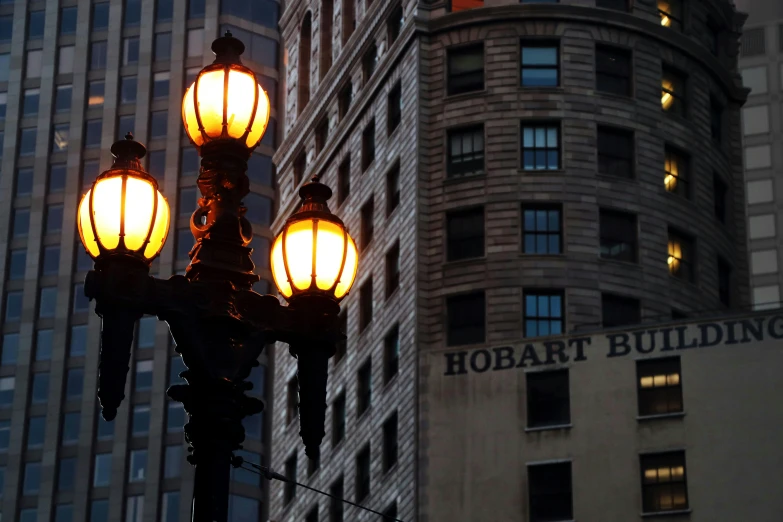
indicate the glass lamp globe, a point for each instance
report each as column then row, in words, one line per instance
column 123, row 212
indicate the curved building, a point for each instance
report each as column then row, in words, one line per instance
column 512, row 170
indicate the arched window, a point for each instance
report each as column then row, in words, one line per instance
column 327, row 13
column 349, row 19
column 304, row 62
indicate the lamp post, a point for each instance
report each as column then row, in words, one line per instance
column 219, row 324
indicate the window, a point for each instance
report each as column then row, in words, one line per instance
column 99, row 511
column 172, row 461
column 145, row 335
column 341, row 346
column 40, row 389
column 130, row 50
column 465, row 323
column 392, row 269
column 325, row 52
column 176, row 367
column 60, row 137
column 344, row 180
column 65, row 60
column 259, row 209
column 32, row 478
column 465, row 234
column 92, row 133
column 80, row 301
column 292, row 400
column 190, row 163
column 724, row 281
column 143, row 375
column 35, row 24
column 44, row 341
column 368, row 145
column 6, row 28
column 13, row 306
column 27, row 139
column 543, row 313
column 618, row 235
column 162, row 51
column 16, row 264
column 63, row 513
column 66, row 474
column 160, row 85
column 98, row 52
column 71, row 425
column 5, row 434
column 36, row 431
column 196, row 9
column 10, row 349
column 548, row 399
column 312, row 515
column 716, row 120
column 367, row 223
column 78, row 341
column 391, row 511
column 47, row 303
column 393, row 188
column 100, row 16
column 549, row 488
column 24, row 182
column 6, row 399
column 613, row 70
column 673, row 92
column 680, row 258
column 540, row 146
column 54, row 219
column 363, row 474
column 664, row 484
column 164, row 11
column 671, row 13
column 394, row 108
column 175, row 417
column 364, row 388
column 158, row 124
column 300, row 165
column 132, row 15
column 140, row 423
column 184, row 244
column 3, row 104
column 615, row 152
column 394, row 24
column 676, row 172
column 465, row 69
column 391, row 354
column 33, row 64
column 126, row 124
column 304, row 72
column 659, row 386
column 57, row 175
column 542, row 230
column 390, row 442
column 104, row 429
column 540, row 64
column 30, row 102
column 90, row 171
column 369, row 62
column 134, row 508
column 138, row 465
column 289, row 489
column 617, row 5
column 620, row 311
column 128, row 89
column 365, row 305
column 321, row 134
column 348, row 20
column 338, row 418
column 466, row 152
column 74, row 383
column 62, row 98
column 344, row 99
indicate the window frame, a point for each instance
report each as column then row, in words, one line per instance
column 682, row 176
column 662, row 456
column 648, row 397
column 450, row 88
column 546, row 207
column 536, row 43
column 676, row 21
column 474, row 132
column 678, row 91
column 546, row 125
column 543, row 292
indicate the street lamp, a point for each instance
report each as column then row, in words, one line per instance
column 219, row 324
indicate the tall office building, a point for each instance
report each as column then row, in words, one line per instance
column 510, row 170
column 761, row 65
column 75, row 77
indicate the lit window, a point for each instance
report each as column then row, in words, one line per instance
column 680, row 256
column 60, row 137
column 659, row 386
column 673, row 92
column 95, row 94
column 664, row 485
column 676, row 179
column 671, row 13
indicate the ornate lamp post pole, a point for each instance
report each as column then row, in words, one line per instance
column 219, row 324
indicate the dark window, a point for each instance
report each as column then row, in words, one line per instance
column 44, row 341
column 184, row 244
column 618, row 235
column 143, row 377
column 660, row 386
column 368, row 145
column 335, row 505
column 62, row 98
column 344, row 99
column 74, row 383
column 548, row 399
column 664, row 483
column 321, row 134
column 465, row 69
column 369, row 62
column 615, row 152
column 367, row 223
column 40, row 389
column 160, row 84
column 78, row 341
column 32, row 478
column 391, row 511
column 158, row 124
column 130, row 50
column 132, row 15
column 671, row 13
column 465, row 234
column 325, row 51
column 312, row 466
column 390, row 442
column 676, row 172
column 164, row 10
column 90, row 171
column 365, row 305
column 394, row 108
column 720, row 191
column 680, row 258
column 540, row 64
column 391, row 354
column 677, row 314
column 341, row 346
column 54, row 219
column 393, row 188
column 190, row 164
column 71, row 424
column 30, row 102
column 6, row 28
column 21, row 222
column 68, row 20
column 92, row 133
column 100, row 16
column 292, row 400
column 162, row 51
column 104, row 430
column 617, row 5
column 300, row 165
column 466, row 151
column 712, row 36
column 465, row 323
column 613, row 70
column 27, row 139
column 349, row 20
column 66, row 474
column 542, row 230
column 303, row 74
column 716, row 120
column 673, row 92
column 364, row 388
column 312, row 515
column 99, row 511
column 550, row 492
column 289, row 490
column 338, row 419
column 544, row 313
column 540, row 146
column 51, row 260
column 394, row 24
column 724, row 281
column 392, row 269
column 127, row 123
column 98, row 52
column 128, row 88
column 10, row 349
column 24, row 182
column 47, row 304
column 363, row 474
column 17, row 264
column 196, row 9
column 35, row 24
column 620, row 311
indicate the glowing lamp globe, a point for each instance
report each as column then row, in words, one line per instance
column 225, row 103
column 314, row 255
column 123, row 212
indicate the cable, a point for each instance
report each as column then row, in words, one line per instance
column 269, row 474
